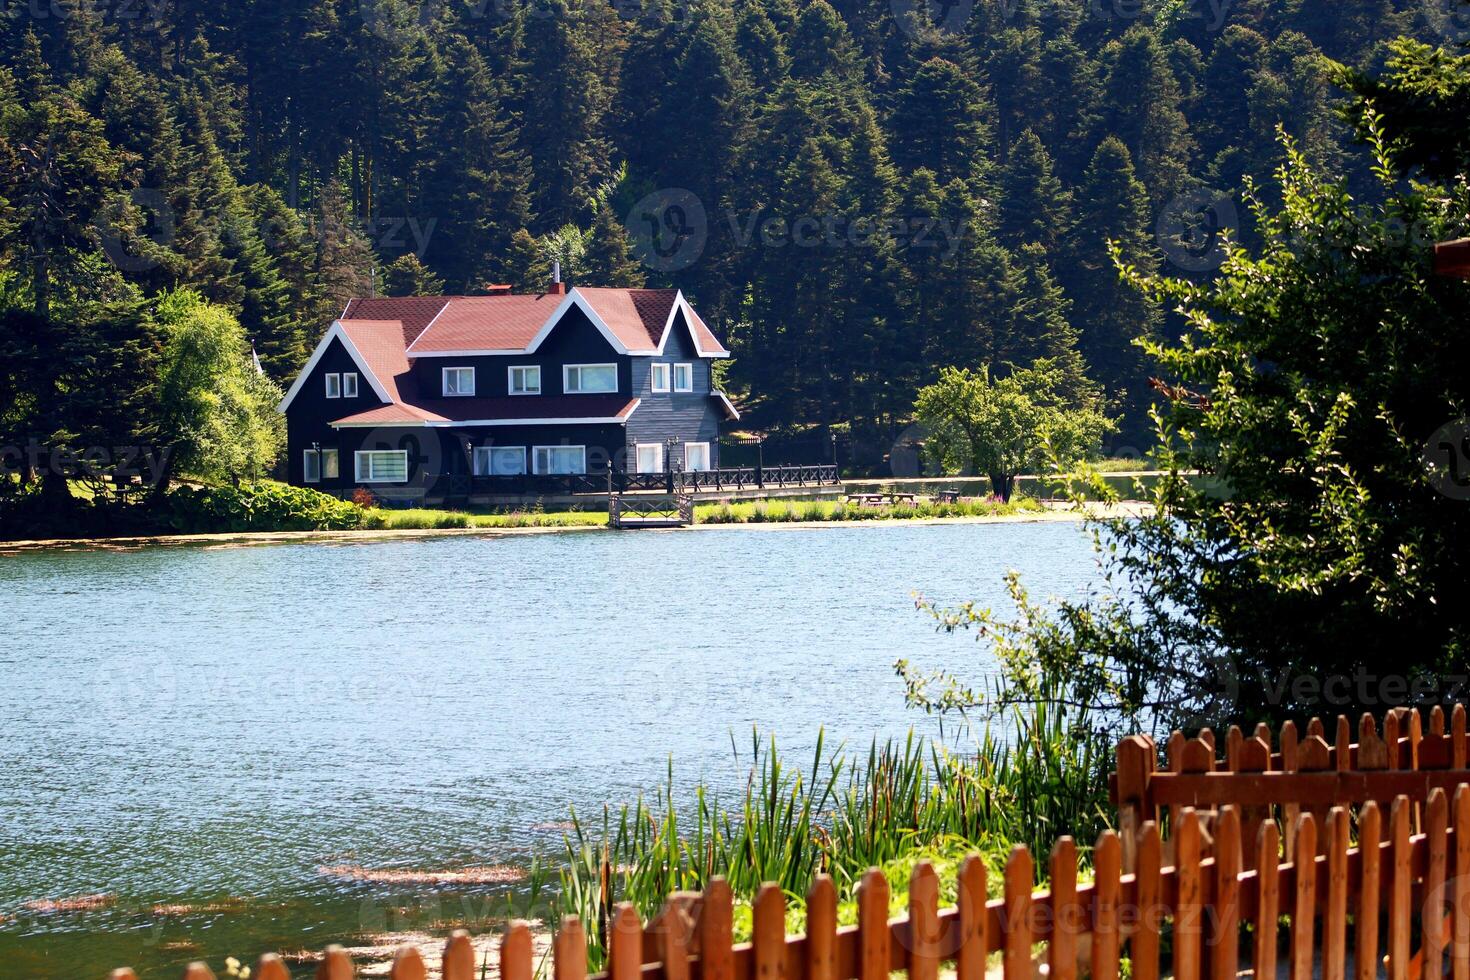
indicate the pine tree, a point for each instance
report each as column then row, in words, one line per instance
column 939, row 124
column 1140, row 106
column 1112, row 207
column 1034, row 206
column 407, row 276
column 344, row 258
column 608, row 260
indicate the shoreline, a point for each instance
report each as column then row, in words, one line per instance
column 239, row 539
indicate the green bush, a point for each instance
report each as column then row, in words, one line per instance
column 260, row 507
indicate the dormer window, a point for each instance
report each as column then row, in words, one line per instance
column 659, row 380
column 683, row 377
column 459, row 382
column 525, row 379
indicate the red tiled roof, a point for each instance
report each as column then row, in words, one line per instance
column 635, row 316
column 414, row 312
column 380, row 342
column 507, row 322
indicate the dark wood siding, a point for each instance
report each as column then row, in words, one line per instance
column 311, row 412
column 687, row 416
column 574, row 341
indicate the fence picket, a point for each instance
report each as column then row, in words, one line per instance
column 1225, row 941
column 1365, row 923
column 1436, row 827
column 1304, row 909
column 1107, row 866
column 1334, row 926
column 873, row 936
column 1460, row 895
column 1290, row 762
column 1342, row 746
column 1066, row 915
column 1016, row 960
column 1457, row 737
column 270, row 967
column 1187, row 915
column 122, row 973
column 1143, row 948
column 459, row 957
column 768, row 932
column 923, row 923
column 200, row 971
column 569, row 955
column 1372, row 752
column 716, row 958
column 1268, row 855
column 974, row 939
column 821, row 930
column 335, row 965
column 516, row 958
column 1401, row 895
column 625, row 944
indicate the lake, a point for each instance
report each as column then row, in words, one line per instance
column 210, row 727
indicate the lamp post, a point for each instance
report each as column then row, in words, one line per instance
column 670, row 444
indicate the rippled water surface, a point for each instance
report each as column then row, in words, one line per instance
column 212, row 726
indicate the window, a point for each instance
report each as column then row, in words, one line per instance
column 459, row 382
column 660, row 377
column 500, row 460
column 525, row 380
column 559, row 459
column 331, row 468
column 683, row 377
column 349, row 385
column 589, row 379
column 696, row 456
column 311, row 466
column 334, row 386
column 650, row 457
column 382, row 466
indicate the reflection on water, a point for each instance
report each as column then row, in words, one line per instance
column 209, row 728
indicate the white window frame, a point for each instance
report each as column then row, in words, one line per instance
column 334, row 385
column 510, row 379
column 490, row 452
column 309, row 456
column 444, row 382
column 688, row 369
column 708, row 459
column 566, row 379
column 660, row 368
column 638, row 448
column 535, row 460
column 357, row 468
column 333, row 472
column 349, row 384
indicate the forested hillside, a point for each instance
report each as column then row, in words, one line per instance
column 855, row 193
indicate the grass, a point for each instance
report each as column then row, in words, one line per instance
column 749, row 512
column 784, row 511
column 423, row 518
column 898, row 803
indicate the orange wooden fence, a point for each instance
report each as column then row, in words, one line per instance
column 1370, row 895
column 1277, row 776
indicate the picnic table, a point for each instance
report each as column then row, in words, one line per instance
column 946, row 496
column 878, row 499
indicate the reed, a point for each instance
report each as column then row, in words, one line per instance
column 1038, row 776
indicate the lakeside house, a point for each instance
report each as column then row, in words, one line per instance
column 506, row 394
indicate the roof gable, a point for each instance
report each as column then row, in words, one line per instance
column 379, row 337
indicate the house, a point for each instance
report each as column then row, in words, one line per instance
column 506, row 394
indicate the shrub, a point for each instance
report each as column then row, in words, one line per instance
column 259, row 507
column 364, row 498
